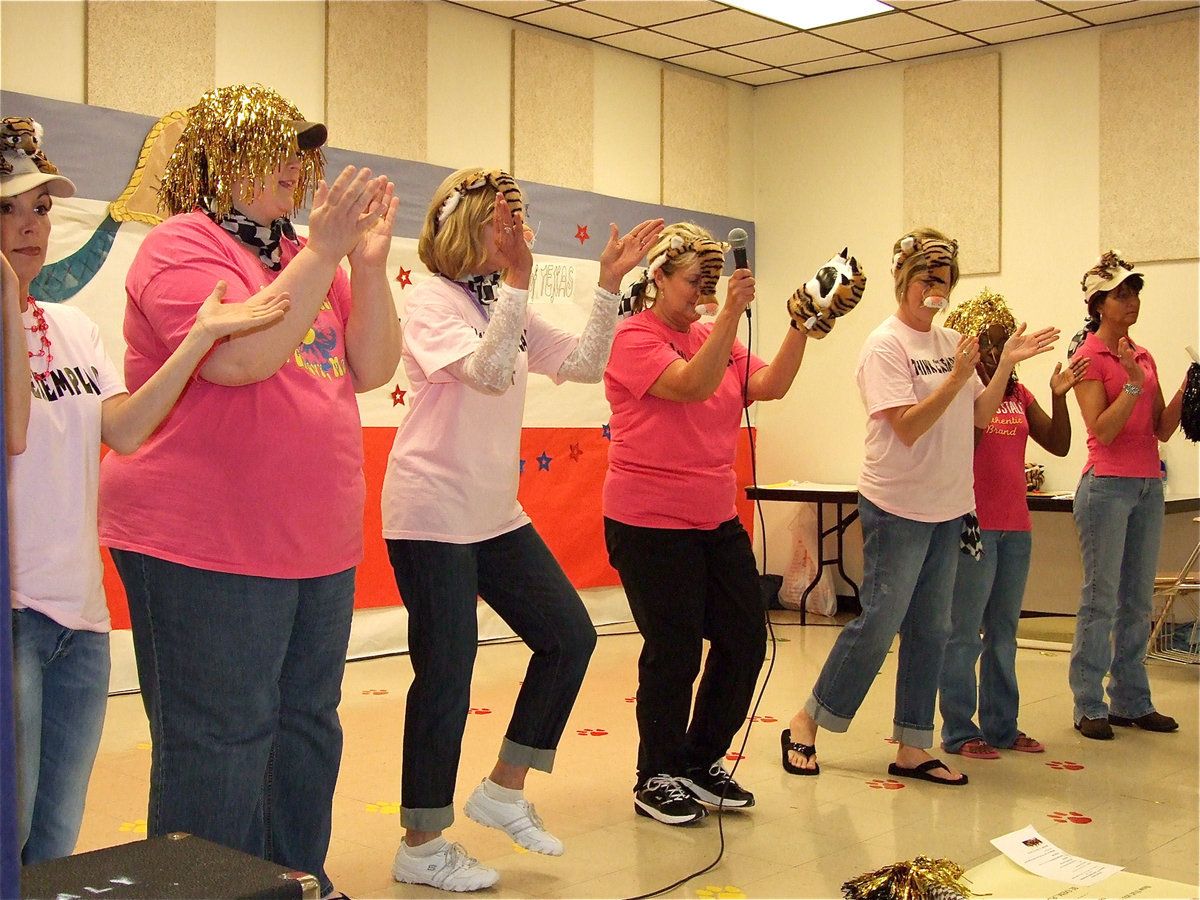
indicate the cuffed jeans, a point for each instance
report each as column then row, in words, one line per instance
column 60, row 695
column 1120, row 523
column 241, row 678
column 685, row 586
column 987, row 594
column 518, row 577
column 908, row 581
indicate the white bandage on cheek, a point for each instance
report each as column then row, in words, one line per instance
column 707, row 309
column 935, row 302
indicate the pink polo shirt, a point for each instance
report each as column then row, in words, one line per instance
column 1134, row 451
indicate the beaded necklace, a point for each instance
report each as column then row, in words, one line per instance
column 40, row 328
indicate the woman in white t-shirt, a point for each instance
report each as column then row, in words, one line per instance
column 454, row 529
column 77, row 399
column 916, row 497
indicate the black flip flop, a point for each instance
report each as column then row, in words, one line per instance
column 922, row 772
column 808, row 751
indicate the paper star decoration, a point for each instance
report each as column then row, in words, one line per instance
column 576, row 452
column 544, row 462
column 405, row 277
column 398, row 396
column 522, row 472
column 606, row 431
column 581, row 233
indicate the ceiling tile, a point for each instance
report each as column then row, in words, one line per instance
column 649, row 12
column 882, row 31
column 765, row 76
column 1034, row 28
column 912, row 4
column 837, row 64
column 649, row 43
column 732, row 26
column 1074, row 5
column 570, row 20
column 508, row 8
column 716, row 62
column 1135, row 10
column 789, row 49
column 974, row 15
column 928, row 48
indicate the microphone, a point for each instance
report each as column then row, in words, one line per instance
column 737, row 242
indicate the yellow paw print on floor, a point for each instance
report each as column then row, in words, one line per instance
column 391, row 808
column 136, row 827
column 144, row 745
column 518, row 848
column 713, row 892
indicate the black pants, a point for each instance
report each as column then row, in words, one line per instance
column 685, row 586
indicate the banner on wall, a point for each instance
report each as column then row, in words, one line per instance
column 564, row 443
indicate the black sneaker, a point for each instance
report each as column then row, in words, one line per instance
column 665, row 799
column 713, row 784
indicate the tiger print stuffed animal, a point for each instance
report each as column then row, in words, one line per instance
column 833, row 291
column 499, row 181
column 23, row 135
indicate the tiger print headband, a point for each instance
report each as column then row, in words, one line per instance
column 709, row 253
column 937, row 253
column 500, row 181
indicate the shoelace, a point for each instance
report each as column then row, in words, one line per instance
column 670, row 787
column 457, row 857
column 533, row 816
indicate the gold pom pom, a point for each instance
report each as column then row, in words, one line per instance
column 235, row 136
column 981, row 312
column 919, row 879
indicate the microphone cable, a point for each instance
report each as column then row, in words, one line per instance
column 770, row 633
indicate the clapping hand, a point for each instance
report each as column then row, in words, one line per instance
column 344, row 212
column 1062, row 380
column 621, row 254
column 217, row 320
column 1021, row 346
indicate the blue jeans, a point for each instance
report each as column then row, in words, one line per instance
column 60, row 694
column 1120, row 523
column 241, row 678
column 518, row 577
column 686, row 585
column 987, row 594
column 908, row 582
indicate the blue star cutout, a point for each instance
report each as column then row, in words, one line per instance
column 544, row 462
column 607, row 432
column 522, row 472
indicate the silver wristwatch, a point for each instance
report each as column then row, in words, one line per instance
column 1133, row 390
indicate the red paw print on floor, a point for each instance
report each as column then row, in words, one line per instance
column 885, row 784
column 733, row 757
column 375, row 692
column 631, row 699
column 890, row 741
column 762, row 719
column 1065, row 764
column 1075, row 818
column 477, row 711
column 592, row 732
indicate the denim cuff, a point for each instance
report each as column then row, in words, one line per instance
column 823, row 717
column 913, row 737
column 519, row 755
column 427, row 819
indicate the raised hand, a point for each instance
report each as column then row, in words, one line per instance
column 508, row 233
column 1021, row 346
column 620, row 255
column 740, row 292
column 216, row 320
column 1062, row 380
column 1125, row 354
column 966, row 357
column 373, row 247
column 344, row 212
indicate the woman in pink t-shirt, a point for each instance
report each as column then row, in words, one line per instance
column 1118, row 507
column 988, row 591
column 922, row 396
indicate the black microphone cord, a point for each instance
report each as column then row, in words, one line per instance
column 770, row 632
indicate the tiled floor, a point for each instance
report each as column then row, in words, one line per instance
column 1131, row 801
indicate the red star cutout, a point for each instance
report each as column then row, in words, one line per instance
column 405, row 277
column 398, row 396
column 576, row 452
column 581, row 233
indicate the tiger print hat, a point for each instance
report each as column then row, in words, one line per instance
column 235, row 134
column 679, row 245
column 450, row 242
column 919, row 251
column 23, row 165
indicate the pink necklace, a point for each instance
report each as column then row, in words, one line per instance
column 39, row 327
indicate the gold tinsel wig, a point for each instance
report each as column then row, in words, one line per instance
column 982, row 311
column 237, row 134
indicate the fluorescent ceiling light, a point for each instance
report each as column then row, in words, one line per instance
column 812, row 13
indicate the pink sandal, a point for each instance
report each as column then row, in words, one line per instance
column 978, row 748
column 1026, row 744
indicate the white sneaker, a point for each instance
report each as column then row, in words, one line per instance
column 450, row 869
column 519, row 820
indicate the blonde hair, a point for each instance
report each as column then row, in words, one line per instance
column 451, row 241
column 919, row 251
